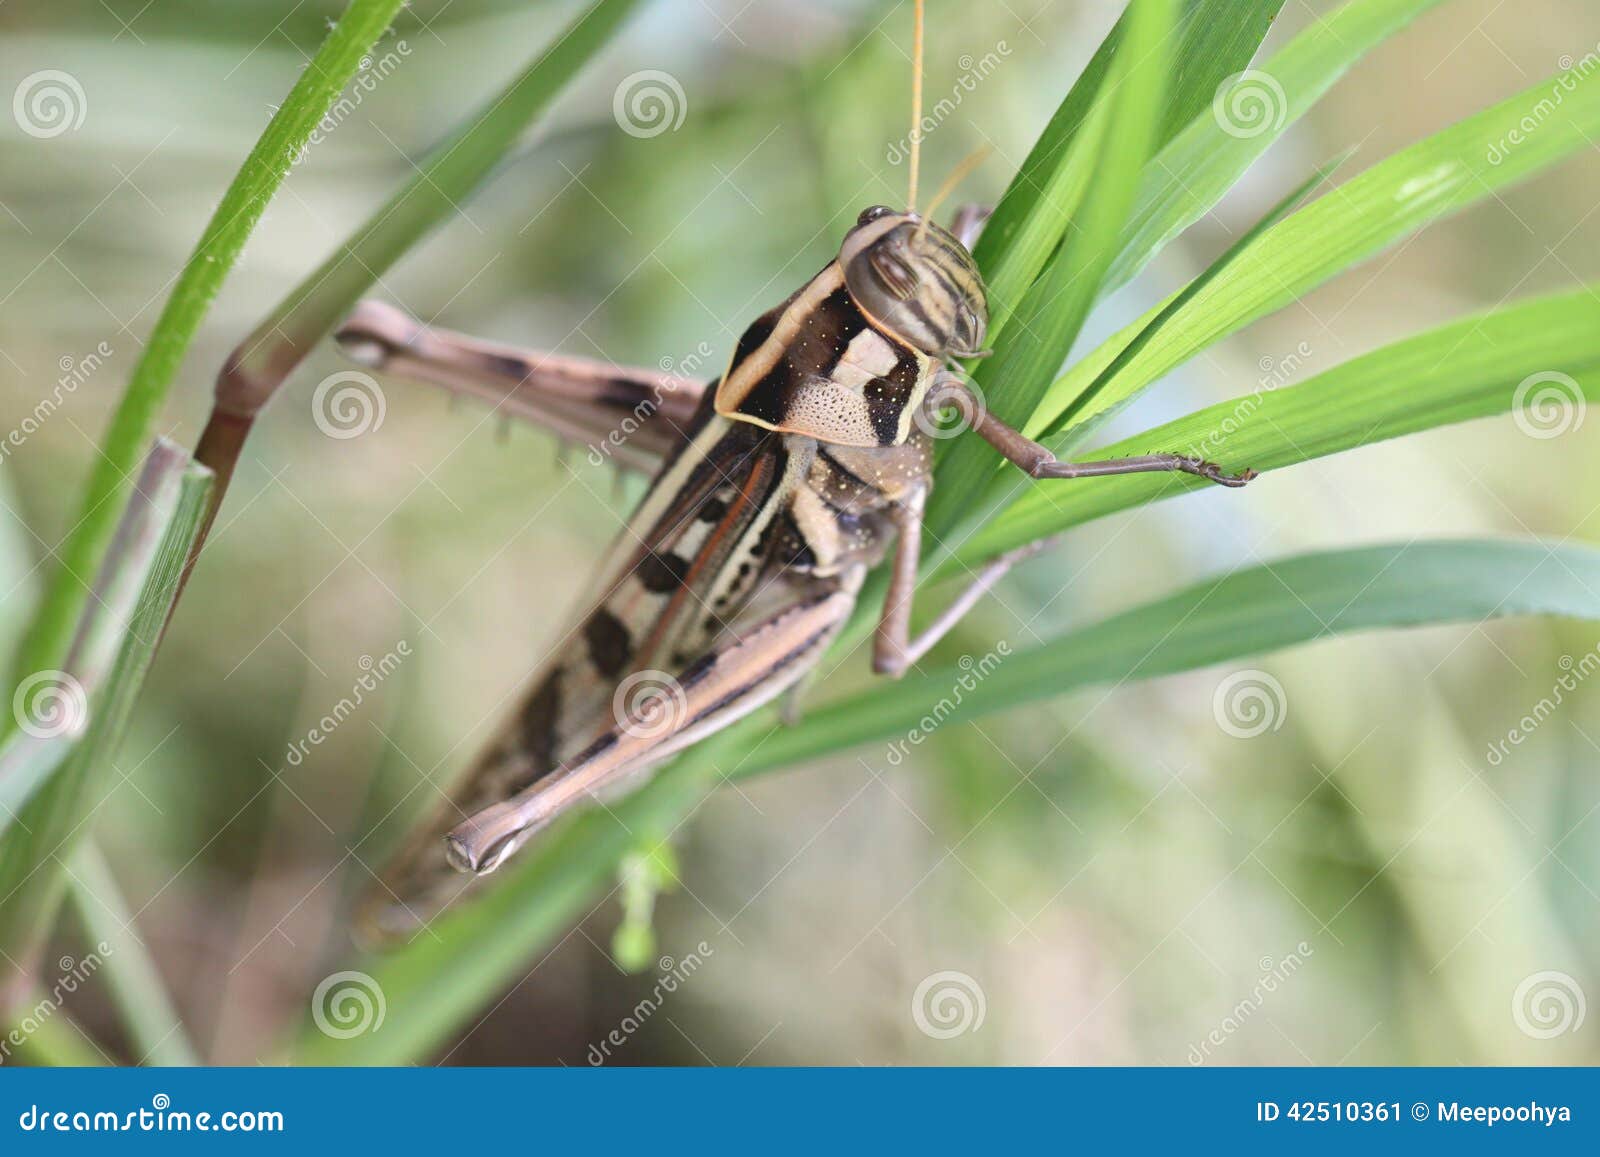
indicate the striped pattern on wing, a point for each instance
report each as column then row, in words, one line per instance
column 689, row 560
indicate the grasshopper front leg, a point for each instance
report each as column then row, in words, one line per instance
column 894, row 648
column 1039, row 462
column 582, row 399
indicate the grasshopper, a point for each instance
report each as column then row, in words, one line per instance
column 777, row 487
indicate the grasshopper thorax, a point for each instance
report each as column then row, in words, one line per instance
column 915, row 280
column 849, row 358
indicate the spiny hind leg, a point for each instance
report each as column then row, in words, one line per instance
column 582, row 399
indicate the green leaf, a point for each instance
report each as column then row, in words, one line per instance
column 1191, row 175
column 1215, row 39
column 1108, row 157
column 437, row 981
column 1430, row 180
column 141, row 997
column 1188, row 293
column 93, row 695
column 128, row 437
column 26, row 763
column 1249, row 612
column 1469, row 369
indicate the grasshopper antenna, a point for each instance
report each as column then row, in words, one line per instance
column 916, row 108
column 958, row 174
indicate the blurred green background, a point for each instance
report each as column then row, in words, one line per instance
column 1111, row 876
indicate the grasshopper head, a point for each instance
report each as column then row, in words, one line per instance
column 917, row 281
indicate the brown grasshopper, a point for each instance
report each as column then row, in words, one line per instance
column 776, row 489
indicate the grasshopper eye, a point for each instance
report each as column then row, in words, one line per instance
column 896, row 275
column 872, row 213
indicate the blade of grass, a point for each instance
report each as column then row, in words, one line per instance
column 128, row 437
column 435, row 984
column 1248, row 612
column 265, row 359
column 115, row 649
column 449, row 174
column 135, row 983
column 1214, row 40
column 1189, row 292
column 1193, row 172
column 49, row 1039
column 1471, row 368
column 1113, row 151
column 1432, row 179
column 26, row 762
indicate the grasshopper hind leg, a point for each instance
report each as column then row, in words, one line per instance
column 725, row 684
